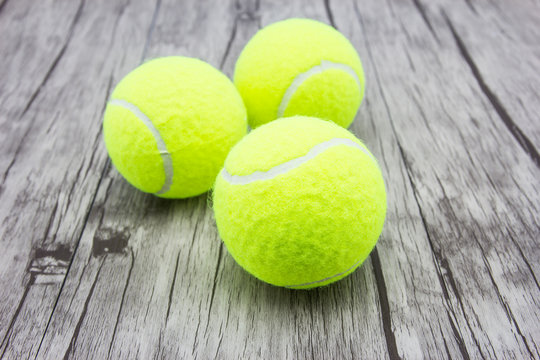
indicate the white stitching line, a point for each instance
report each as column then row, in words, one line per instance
column 300, row 78
column 162, row 148
column 291, row 164
column 328, row 278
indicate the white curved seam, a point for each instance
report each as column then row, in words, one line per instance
column 291, row 164
column 327, row 278
column 300, row 78
column 162, row 148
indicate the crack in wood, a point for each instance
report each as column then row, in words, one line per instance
column 385, row 306
column 229, row 43
column 250, row 14
column 71, row 189
column 391, row 344
column 172, row 285
column 420, row 7
column 214, row 287
column 507, row 120
column 7, row 336
column 459, row 338
column 329, row 14
column 73, row 340
column 505, row 306
column 50, row 221
column 124, row 291
column 56, row 59
column 523, row 257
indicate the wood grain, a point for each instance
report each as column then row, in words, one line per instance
column 91, row 268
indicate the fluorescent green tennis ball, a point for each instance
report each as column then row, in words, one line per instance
column 300, row 67
column 170, row 124
column 300, row 202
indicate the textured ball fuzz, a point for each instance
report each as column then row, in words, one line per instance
column 170, row 124
column 300, row 67
column 300, row 202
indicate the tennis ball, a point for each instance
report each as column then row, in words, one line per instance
column 169, row 126
column 300, row 67
column 300, row 202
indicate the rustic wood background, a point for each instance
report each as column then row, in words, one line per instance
column 92, row 268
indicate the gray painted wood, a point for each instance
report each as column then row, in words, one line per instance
column 92, row 268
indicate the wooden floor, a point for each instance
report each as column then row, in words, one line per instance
column 91, row 268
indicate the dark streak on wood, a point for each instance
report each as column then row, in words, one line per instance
column 423, row 14
column 385, row 307
column 329, row 13
column 151, row 29
column 159, row 349
column 470, row 5
column 56, row 59
column 445, row 344
column 83, row 314
column 229, row 43
column 51, row 218
column 149, row 302
column 172, row 286
column 524, row 258
column 2, row 5
column 5, row 340
column 98, row 137
column 459, row 339
column 220, row 255
column 72, row 188
column 442, row 262
column 505, row 306
column 516, row 132
column 132, row 263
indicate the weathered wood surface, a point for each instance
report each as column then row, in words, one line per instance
column 91, row 268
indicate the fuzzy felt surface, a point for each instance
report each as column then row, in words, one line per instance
column 310, row 226
column 197, row 112
column 278, row 53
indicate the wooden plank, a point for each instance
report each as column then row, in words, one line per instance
column 474, row 184
column 178, row 281
column 34, row 39
column 52, row 185
column 106, row 271
column 503, row 44
column 500, row 45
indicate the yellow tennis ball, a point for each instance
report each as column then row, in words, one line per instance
column 169, row 126
column 300, row 202
column 300, row 67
